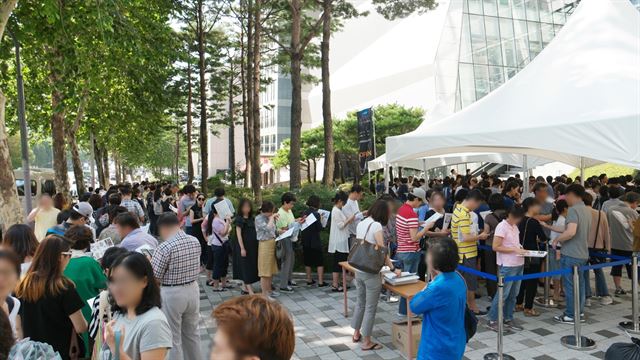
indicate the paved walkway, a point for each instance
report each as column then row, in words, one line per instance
column 322, row 332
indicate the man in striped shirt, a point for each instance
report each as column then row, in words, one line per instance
column 408, row 237
column 466, row 238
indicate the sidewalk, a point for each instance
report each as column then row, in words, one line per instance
column 322, row 331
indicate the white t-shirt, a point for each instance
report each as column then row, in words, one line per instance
column 13, row 314
column 560, row 223
column 369, row 236
column 351, row 208
column 339, row 234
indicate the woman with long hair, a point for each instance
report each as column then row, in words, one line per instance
column 531, row 235
column 245, row 247
column 139, row 329
column 196, row 215
column 218, row 230
column 50, row 310
column 21, row 239
column 9, row 277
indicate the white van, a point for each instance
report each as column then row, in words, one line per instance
column 42, row 180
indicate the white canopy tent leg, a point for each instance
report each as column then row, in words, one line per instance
column 581, row 171
column 424, row 169
column 525, row 180
column 386, row 178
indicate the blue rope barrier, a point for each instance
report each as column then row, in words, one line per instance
column 477, row 273
column 608, row 256
column 603, row 265
column 537, row 275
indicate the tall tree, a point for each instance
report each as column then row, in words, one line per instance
column 189, row 124
column 256, row 176
column 10, row 208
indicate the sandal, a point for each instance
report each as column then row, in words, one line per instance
column 531, row 312
column 219, row 290
column 322, row 284
column 312, row 282
column 337, row 289
column 519, row 308
column 209, row 282
column 356, row 339
column 243, row 292
column 373, row 347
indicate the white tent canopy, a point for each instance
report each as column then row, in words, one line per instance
column 453, row 159
column 577, row 102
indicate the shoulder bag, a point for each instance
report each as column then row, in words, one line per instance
column 367, row 257
column 470, row 319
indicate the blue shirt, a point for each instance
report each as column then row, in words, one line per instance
column 442, row 306
column 137, row 238
column 422, row 213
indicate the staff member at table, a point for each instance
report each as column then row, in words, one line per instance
column 368, row 285
column 442, row 304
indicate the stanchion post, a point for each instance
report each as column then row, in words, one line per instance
column 499, row 355
column 577, row 341
column 545, row 301
column 632, row 326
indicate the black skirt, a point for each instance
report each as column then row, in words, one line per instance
column 312, row 256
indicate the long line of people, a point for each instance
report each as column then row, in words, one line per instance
column 154, row 297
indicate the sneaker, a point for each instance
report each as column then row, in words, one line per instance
column 480, row 313
column 620, row 292
column 492, row 325
column 393, row 299
column 606, row 300
column 274, row 294
column 510, row 324
column 587, row 302
column 563, row 319
column 287, row 289
column 292, row 283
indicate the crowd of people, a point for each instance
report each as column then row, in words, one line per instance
column 140, row 298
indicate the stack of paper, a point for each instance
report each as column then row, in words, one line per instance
column 404, row 278
column 99, row 247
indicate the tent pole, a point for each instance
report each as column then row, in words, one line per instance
column 525, row 180
column 581, row 171
column 424, row 168
column 386, row 178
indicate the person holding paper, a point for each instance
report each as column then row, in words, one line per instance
column 409, row 251
column 506, row 244
column 339, row 237
column 311, row 243
column 531, row 235
column 266, row 235
column 218, row 232
column 285, row 219
column 434, row 216
column 353, row 208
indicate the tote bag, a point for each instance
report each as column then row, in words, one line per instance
column 367, row 257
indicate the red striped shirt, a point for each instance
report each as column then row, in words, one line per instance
column 406, row 220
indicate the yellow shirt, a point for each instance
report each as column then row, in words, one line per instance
column 44, row 220
column 461, row 224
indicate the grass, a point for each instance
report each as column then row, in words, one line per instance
column 606, row 168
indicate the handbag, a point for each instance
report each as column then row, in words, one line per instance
column 470, row 319
column 367, row 257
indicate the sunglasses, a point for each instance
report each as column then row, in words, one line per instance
column 201, row 199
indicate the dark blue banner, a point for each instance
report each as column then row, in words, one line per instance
column 366, row 135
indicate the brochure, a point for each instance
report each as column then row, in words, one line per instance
column 310, row 219
column 324, row 216
column 223, row 210
column 286, row 234
column 99, row 247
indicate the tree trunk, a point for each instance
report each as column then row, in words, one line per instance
column 296, row 94
column 315, row 169
column 204, row 151
column 10, row 208
column 248, row 104
column 105, row 166
column 57, row 124
column 232, row 132
column 256, row 176
column 327, row 121
column 308, row 171
column 177, row 162
column 72, row 133
column 97, row 153
column 189, row 150
column 116, row 162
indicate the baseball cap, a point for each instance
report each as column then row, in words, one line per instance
column 419, row 193
column 83, row 208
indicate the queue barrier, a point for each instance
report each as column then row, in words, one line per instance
column 575, row 341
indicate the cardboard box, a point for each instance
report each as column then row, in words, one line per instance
column 400, row 335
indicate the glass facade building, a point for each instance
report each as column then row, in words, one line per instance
column 486, row 42
column 500, row 37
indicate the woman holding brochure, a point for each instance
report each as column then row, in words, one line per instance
column 506, row 245
column 266, row 235
column 311, row 243
column 531, row 234
column 339, row 237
